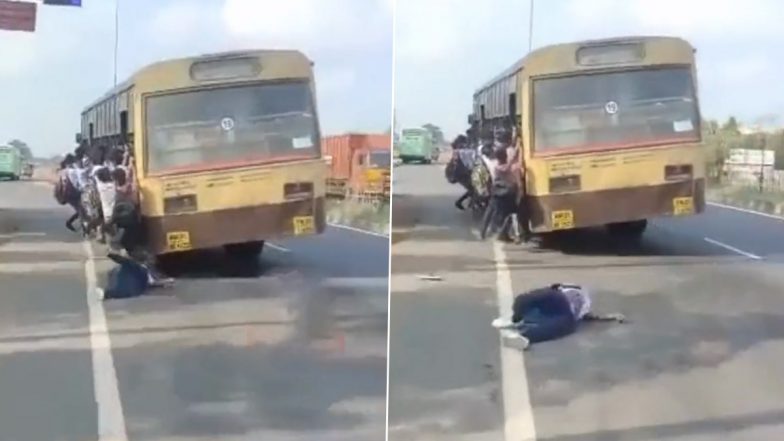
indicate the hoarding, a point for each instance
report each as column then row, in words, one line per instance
column 17, row 16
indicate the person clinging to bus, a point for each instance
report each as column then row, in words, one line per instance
column 68, row 185
column 459, row 167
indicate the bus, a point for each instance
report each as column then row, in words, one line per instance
column 225, row 147
column 416, row 145
column 11, row 163
column 609, row 132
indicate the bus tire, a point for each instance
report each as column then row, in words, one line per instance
column 248, row 250
column 630, row 230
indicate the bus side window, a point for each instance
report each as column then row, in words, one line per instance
column 512, row 109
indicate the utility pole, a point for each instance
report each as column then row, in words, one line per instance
column 116, row 36
column 531, row 26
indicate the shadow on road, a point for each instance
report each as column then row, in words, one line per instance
column 709, row 426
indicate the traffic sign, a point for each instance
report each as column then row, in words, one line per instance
column 63, row 2
column 17, row 16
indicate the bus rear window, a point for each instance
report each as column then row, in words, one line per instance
column 615, row 110
column 231, row 125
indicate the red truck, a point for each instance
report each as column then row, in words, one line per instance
column 359, row 164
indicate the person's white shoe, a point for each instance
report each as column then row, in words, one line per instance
column 502, row 323
column 515, row 340
column 101, row 293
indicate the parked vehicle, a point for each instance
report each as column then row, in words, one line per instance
column 359, row 164
column 10, row 163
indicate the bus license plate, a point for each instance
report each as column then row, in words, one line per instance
column 683, row 206
column 562, row 219
column 178, row 240
column 303, row 225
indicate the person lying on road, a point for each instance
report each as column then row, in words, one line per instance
column 549, row 313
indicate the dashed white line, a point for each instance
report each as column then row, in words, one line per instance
column 278, row 247
column 746, row 210
column 731, row 248
column 359, row 230
column 111, row 420
column 518, row 413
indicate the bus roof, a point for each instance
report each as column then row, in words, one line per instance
column 566, row 51
column 291, row 63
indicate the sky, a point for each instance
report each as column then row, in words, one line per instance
column 445, row 49
column 48, row 77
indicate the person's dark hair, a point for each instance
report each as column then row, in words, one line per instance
column 117, row 155
column 104, row 175
column 460, row 142
column 488, row 151
column 486, row 135
column 503, row 135
column 501, row 155
column 68, row 160
column 119, row 176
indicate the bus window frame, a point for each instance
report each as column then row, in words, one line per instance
column 172, row 171
column 665, row 143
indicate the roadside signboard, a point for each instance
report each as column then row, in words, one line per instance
column 17, row 16
column 751, row 157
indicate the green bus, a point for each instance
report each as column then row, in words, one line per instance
column 11, row 163
column 416, row 145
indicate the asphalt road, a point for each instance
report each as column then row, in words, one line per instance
column 700, row 359
column 291, row 349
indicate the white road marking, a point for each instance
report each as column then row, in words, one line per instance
column 733, row 249
column 746, row 210
column 111, row 420
column 277, row 247
column 41, row 247
column 22, row 234
column 39, row 267
column 359, row 230
column 518, row 413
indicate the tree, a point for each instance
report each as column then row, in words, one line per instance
column 22, row 147
column 731, row 126
column 435, row 132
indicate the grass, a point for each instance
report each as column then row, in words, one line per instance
column 748, row 193
column 359, row 215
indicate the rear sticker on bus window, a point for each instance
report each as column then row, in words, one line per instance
column 227, row 124
column 682, row 126
column 302, row 143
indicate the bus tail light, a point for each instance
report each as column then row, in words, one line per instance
column 180, row 204
column 298, row 191
column 681, row 172
column 565, row 184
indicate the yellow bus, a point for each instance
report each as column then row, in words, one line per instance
column 225, row 146
column 609, row 130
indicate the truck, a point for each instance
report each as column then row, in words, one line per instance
column 417, row 145
column 359, row 165
column 11, row 163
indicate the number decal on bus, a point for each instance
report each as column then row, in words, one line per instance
column 562, row 219
column 178, row 240
column 683, row 206
column 303, row 225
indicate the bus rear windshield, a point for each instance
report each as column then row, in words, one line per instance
column 615, row 110
column 235, row 125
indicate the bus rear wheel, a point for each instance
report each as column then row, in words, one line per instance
column 248, row 250
column 630, row 230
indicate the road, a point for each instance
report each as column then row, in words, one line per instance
column 699, row 360
column 291, row 349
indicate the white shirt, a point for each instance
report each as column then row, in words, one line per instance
column 579, row 299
